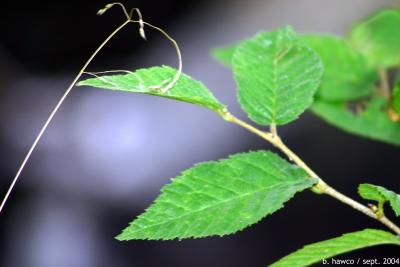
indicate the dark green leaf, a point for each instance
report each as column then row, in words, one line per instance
column 317, row 252
column 277, row 76
column 220, row 198
column 185, row 89
column 372, row 122
column 346, row 74
column 378, row 38
column 380, row 194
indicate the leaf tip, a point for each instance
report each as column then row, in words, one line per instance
column 81, row 83
column 123, row 236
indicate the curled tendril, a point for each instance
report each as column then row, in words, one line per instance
column 129, row 16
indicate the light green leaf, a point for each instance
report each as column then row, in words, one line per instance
column 324, row 250
column 185, row 89
column 224, row 54
column 220, row 198
column 370, row 192
column 380, row 194
column 378, row 38
column 277, row 76
column 372, row 122
column 346, row 73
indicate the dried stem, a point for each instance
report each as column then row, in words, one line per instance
column 56, row 108
column 320, row 186
column 384, row 83
column 142, row 23
column 82, row 71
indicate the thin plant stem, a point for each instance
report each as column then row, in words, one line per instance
column 321, row 186
column 273, row 129
column 54, row 111
column 178, row 52
column 82, row 71
column 142, row 34
column 356, row 205
column 384, row 83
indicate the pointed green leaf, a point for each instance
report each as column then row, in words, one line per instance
column 224, row 54
column 220, row 198
column 380, row 194
column 323, row 250
column 277, row 76
column 372, row 122
column 378, row 38
column 185, row 89
column 346, row 73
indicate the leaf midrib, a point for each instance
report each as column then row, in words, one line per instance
column 290, row 184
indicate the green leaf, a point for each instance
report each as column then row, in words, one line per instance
column 319, row 251
column 378, row 38
column 185, row 89
column 372, row 122
column 346, row 73
column 380, row 194
column 277, row 76
column 224, row 54
column 371, row 192
column 220, row 198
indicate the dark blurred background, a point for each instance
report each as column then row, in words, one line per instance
column 107, row 154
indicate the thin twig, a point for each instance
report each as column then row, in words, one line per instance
column 384, row 83
column 273, row 129
column 320, row 186
column 67, row 92
column 178, row 53
column 356, row 205
column 50, row 118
